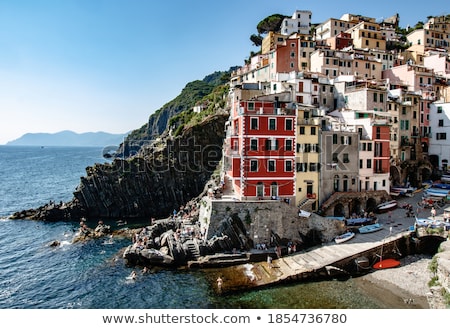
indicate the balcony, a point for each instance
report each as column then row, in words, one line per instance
column 310, row 121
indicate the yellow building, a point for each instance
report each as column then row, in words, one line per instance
column 367, row 35
column 307, row 158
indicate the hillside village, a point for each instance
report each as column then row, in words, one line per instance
column 337, row 118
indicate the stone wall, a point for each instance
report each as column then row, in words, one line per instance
column 264, row 220
column 443, row 270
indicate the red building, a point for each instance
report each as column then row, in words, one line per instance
column 260, row 150
column 381, row 157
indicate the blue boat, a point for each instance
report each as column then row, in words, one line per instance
column 442, row 186
column 436, row 192
column 370, row 228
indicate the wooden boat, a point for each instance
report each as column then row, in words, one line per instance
column 344, row 237
column 360, row 221
column 386, row 263
column 386, row 206
column 370, row 228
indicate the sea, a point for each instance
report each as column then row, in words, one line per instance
column 93, row 274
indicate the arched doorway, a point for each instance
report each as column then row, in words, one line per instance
column 345, row 183
column 434, row 159
column 339, row 210
column 371, row 204
column 356, row 207
column 336, row 183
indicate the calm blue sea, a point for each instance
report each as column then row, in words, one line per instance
column 93, row 275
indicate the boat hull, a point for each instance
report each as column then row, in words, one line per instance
column 370, row 228
column 344, row 237
column 386, row 263
column 387, row 206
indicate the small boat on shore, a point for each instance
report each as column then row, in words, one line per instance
column 360, row 221
column 386, row 263
column 445, row 178
column 387, row 206
column 443, row 186
column 344, row 237
column 439, row 192
column 370, row 228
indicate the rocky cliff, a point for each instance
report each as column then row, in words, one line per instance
column 162, row 176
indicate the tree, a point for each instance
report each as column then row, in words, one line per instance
column 271, row 23
column 256, row 39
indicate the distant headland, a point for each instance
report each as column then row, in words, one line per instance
column 68, row 138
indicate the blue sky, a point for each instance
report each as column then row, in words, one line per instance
column 106, row 65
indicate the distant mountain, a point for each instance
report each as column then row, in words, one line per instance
column 69, row 138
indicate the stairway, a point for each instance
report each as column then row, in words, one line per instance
column 192, row 248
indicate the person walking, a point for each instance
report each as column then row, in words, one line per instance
column 433, row 212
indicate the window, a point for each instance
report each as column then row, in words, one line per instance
column 369, row 163
column 346, row 140
column 254, row 144
column 288, row 145
column 335, row 138
column 251, row 106
column 441, row 136
column 301, row 167
column 254, row 123
column 313, row 167
column 313, row 130
column 271, row 165
column 335, row 157
column 302, row 131
column 369, row 147
column 346, row 159
column 360, row 163
column 272, row 124
column 288, row 165
column 381, row 98
column 253, row 165
column 271, row 144
column 375, row 97
column 441, row 123
column 439, row 109
column 288, row 124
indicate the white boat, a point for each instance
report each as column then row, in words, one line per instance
column 445, row 178
column 386, row 206
column 344, row 237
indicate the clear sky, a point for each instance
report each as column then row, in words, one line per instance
column 106, row 65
